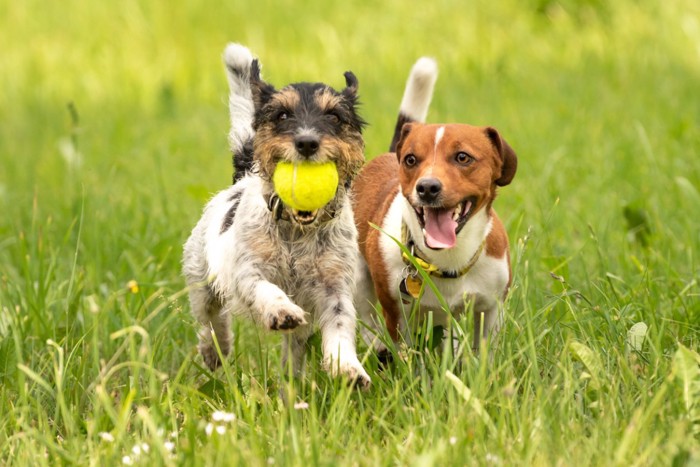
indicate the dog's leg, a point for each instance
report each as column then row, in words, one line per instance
column 271, row 307
column 487, row 322
column 333, row 287
column 215, row 321
column 337, row 323
column 294, row 349
column 365, row 298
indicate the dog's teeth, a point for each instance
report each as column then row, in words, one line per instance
column 305, row 217
column 467, row 207
column 457, row 212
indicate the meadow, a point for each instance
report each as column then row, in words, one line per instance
column 113, row 124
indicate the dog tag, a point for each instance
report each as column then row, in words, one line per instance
column 411, row 286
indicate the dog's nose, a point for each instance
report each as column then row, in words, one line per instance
column 428, row 189
column 306, row 145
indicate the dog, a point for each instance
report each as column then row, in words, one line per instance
column 434, row 191
column 251, row 254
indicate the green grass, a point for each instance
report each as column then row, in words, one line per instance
column 600, row 102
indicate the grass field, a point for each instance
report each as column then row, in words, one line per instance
column 113, row 126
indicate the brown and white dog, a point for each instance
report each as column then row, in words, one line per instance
column 434, row 191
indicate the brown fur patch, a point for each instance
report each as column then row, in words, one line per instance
column 378, row 184
column 326, row 100
column 349, row 153
column 497, row 245
column 497, row 240
column 458, row 181
column 269, row 148
column 287, row 98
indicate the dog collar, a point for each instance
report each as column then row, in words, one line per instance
column 411, row 286
column 430, row 268
column 276, row 207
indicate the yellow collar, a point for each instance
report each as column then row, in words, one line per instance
column 430, row 268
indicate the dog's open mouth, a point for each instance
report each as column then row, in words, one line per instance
column 441, row 225
column 304, row 217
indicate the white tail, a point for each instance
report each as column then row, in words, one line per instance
column 419, row 89
column 238, row 61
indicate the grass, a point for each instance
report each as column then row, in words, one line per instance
column 113, row 136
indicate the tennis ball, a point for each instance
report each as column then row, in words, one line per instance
column 305, row 186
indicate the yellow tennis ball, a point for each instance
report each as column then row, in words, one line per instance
column 305, row 186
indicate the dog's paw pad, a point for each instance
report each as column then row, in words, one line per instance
column 289, row 322
column 286, row 319
column 361, row 382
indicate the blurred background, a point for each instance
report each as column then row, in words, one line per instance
column 113, row 124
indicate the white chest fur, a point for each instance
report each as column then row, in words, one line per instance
column 484, row 283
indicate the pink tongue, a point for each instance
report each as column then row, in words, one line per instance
column 440, row 228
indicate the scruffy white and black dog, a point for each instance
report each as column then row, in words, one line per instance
column 251, row 254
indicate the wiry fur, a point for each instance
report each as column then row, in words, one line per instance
column 241, row 258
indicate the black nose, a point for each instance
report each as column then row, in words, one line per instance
column 428, row 189
column 306, row 145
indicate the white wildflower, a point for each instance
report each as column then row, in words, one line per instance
column 453, row 440
column 301, row 405
column 169, row 446
column 209, row 429
column 127, row 460
column 493, row 459
column 73, row 157
column 106, row 436
column 221, row 429
column 221, row 416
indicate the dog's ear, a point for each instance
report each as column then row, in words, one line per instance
column 405, row 130
column 352, row 100
column 261, row 90
column 351, row 85
column 508, row 158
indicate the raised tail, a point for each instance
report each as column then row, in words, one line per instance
column 239, row 62
column 416, row 96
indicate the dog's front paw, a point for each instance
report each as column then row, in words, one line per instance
column 385, row 357
column 284, row 317
column 208, row 349
column 351, row 369
column 210, row 356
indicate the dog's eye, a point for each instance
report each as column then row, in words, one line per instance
column 410, row 160
column 464, row 158
column 282, row 115
column 333, row 117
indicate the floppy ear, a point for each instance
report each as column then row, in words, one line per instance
column 261, row 90
column 351, row 84
column 405, row 130
column 508, row 158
